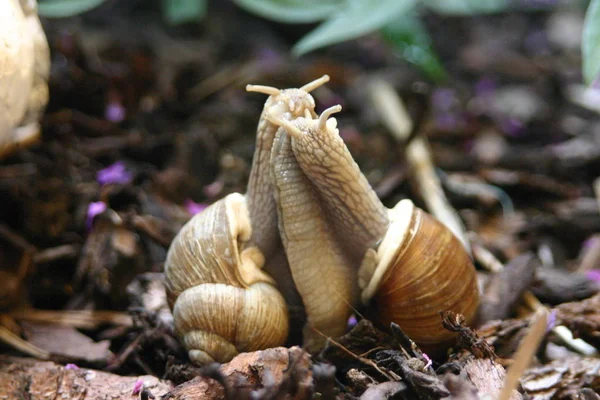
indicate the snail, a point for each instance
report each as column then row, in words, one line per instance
column 24, row 72
column 310, row 232
column 409, row 265
column 222, row 299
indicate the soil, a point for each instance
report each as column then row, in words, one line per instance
column 148, row 124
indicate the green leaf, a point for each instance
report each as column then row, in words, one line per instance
column 410, row 40
column 183, row 11
column 66, row 8
column 590, row 43
column 358, row 18
column 292, row 11
column 466, row 7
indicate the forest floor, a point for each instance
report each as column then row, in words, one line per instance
column 147, row 125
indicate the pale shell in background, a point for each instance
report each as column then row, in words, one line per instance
column 24, row 70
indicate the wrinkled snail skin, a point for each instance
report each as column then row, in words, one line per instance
column 351, row 205
column 223, row 302
column 320, row 270
column 286, row 104
column 411, row 266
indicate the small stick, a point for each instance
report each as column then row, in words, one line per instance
column 85, row 319
column 490, row 262
column 396, row 117
column 483, row 256
column 526, row 350
column 366, row 361
column 597, row 190
column 24, row 346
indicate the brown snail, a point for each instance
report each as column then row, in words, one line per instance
column 312, row 220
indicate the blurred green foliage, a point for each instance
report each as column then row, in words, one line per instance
column 66, row 8
column 590, row 43
column 398, row 21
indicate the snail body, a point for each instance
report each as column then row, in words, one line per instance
column 310, row 234
column 410, row 266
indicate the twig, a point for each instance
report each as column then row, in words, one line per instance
column 418, row 155
column 16, row 342
column 483, row 256
column 85, row 319
column 597, row 190
column 564, row 333
column 526, row 350
column 55, row 253
column 488, row 260
column 366, row 361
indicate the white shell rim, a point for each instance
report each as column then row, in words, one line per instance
column 400, row 218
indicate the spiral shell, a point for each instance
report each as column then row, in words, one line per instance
column 222, row 301
column 420, row 269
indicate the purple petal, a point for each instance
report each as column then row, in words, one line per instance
column 137, row 387
column 352, row 321
column 114, row 173
column 485, row 87
column 94, row 208
column 512, row 126
column 71, row 366
column 115, row 112
column 551, row 321
column 194, row 208
column 593, row 275
column 443, row 98
column 429, row 362
column 447, row 121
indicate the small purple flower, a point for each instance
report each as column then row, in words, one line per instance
column 194, row 208
column 447, row 121
column 429, row 362
column 115, row 112
column 512, row 126
column 137, row 387
column 551, row 321
column 443, row 98
column 114, row 173
column 593, row 275
column 71, row 366
column 94, row 208
column 485, row 87
column 352, row 321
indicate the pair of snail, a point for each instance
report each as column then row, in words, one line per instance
column 307, row 244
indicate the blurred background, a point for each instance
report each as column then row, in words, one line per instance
column 148, row 122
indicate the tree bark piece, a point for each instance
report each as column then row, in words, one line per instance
column 25, row 378
column 280, row 373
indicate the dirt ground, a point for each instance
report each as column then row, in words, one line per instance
column 149, row 124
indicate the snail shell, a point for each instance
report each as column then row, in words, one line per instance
column 420, row 268
column 222, row 301
column 24, row 70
